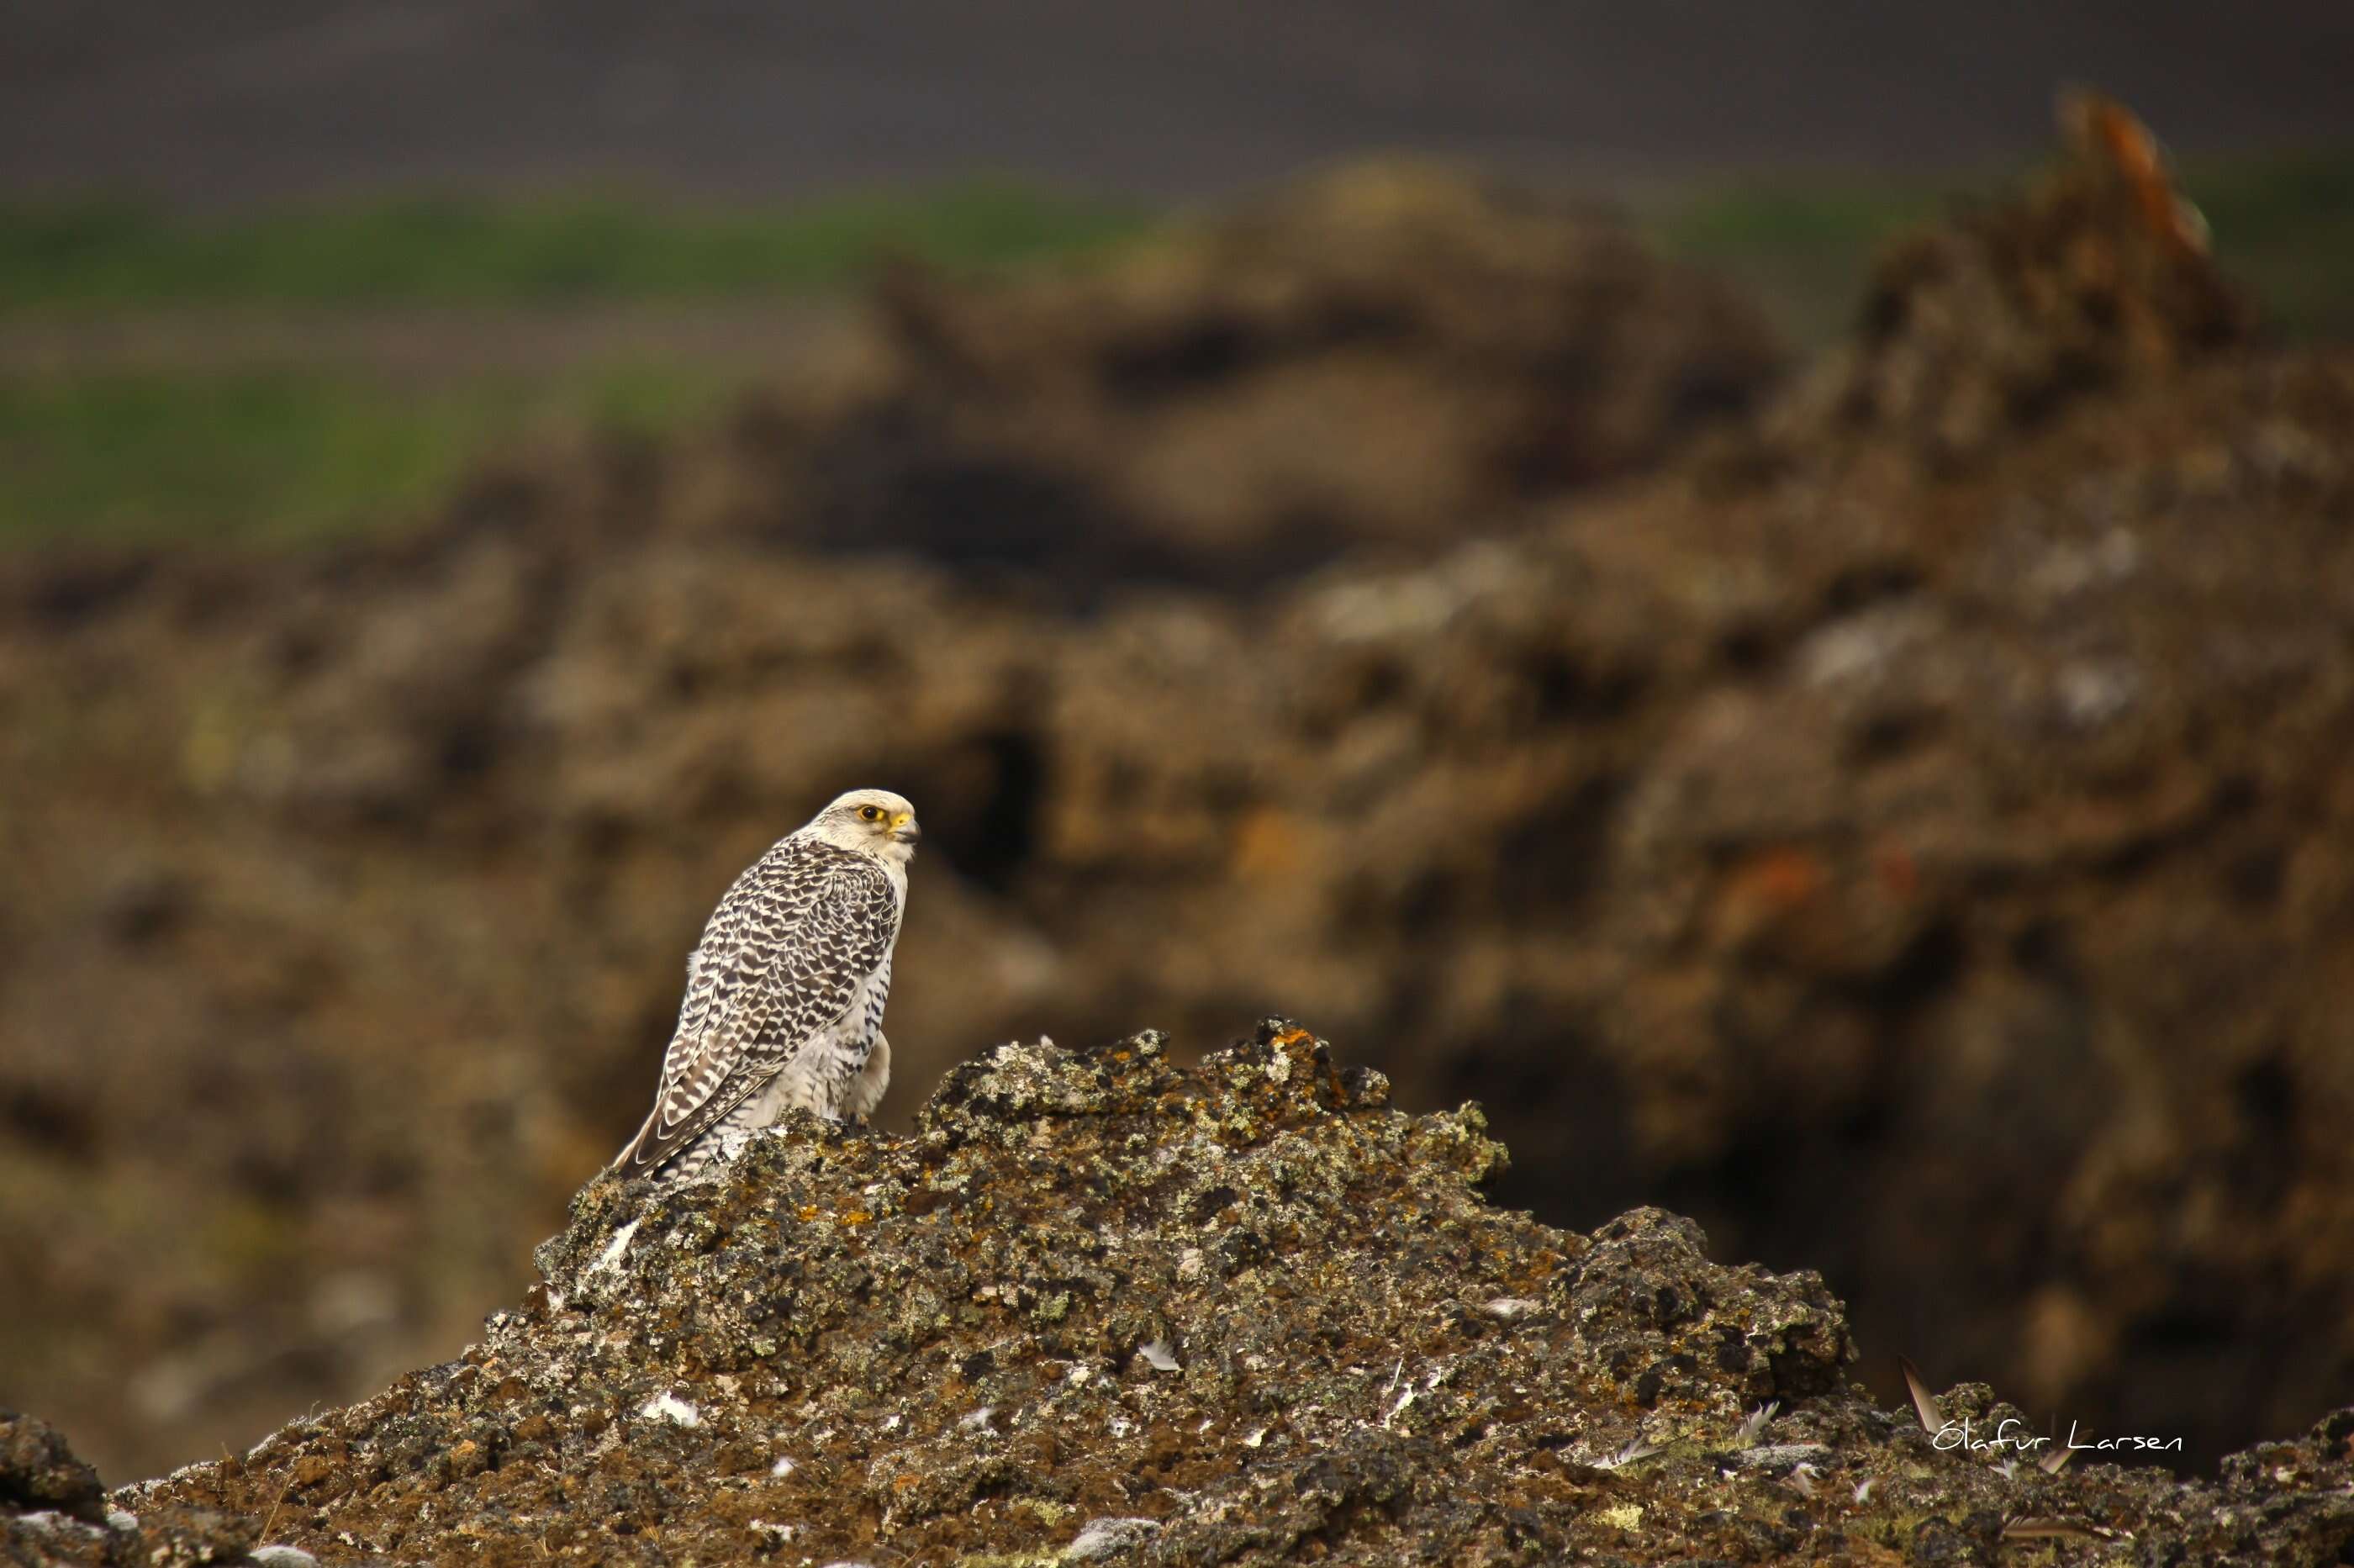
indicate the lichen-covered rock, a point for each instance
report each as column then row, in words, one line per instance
column 1099, row 1309
column 161, row 1538
column 53, row 1511
column 39, row 1473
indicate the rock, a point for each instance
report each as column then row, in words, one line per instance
column 1108, row 1537
column 39, row 1474
column 837, row 1304
column 54, row 1511
column 1979, row 328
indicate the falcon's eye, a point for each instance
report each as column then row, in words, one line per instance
column 870, row 813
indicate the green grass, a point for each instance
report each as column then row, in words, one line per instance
column 2284, row 226
column 1802, row 251
column 104, row 256
column 177, row 447
column 295, row 449
column 282, row 455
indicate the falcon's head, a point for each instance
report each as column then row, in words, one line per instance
column 872, row 821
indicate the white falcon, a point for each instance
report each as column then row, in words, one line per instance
column 785, row 992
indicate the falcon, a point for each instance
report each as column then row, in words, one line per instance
column 785, row 992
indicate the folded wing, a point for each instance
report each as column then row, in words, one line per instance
column 782, row 960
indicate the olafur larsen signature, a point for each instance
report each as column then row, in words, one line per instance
column 1964, row 1436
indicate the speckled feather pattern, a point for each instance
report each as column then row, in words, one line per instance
column 784, row 1002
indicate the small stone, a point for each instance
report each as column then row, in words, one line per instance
column 1102, row 1537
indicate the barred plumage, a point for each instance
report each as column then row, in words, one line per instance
column 785, row 992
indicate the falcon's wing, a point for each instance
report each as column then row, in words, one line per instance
column 783, row 958
column 692, row 1009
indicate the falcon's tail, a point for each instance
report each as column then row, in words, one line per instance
column 626, row 1163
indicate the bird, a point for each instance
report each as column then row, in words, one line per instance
column 785, row 990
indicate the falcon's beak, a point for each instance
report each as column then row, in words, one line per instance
column 904, row 830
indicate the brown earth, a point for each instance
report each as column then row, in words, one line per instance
column 1911, row 833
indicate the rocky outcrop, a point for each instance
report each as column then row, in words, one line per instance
column 2099, row 278
column 1097, row 1308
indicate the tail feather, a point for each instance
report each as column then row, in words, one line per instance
column 628, row 1158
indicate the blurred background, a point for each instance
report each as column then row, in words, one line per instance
column 1710, row 580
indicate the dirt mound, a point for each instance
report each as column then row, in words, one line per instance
column 2098, row 279
column 1932, row 870
column 1392, row 354
column 1097, row 1309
